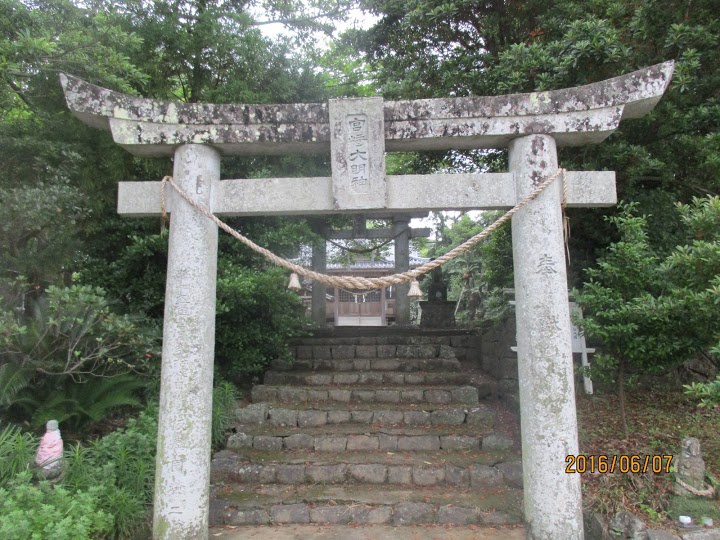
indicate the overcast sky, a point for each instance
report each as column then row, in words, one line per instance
column 356, row 19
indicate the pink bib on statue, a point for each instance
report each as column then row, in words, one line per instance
column 51, row 448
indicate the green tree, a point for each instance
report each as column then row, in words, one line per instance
column 616, row 304
column 648, row 311
column 433, row 48
column 476, row 278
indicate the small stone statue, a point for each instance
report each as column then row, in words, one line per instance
column 50, row 451
column 690, row 478
column 437, row 292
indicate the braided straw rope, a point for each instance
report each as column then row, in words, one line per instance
column 355, row 282
column 707, row 492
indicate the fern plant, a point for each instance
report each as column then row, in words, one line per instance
column 77, row 405
column 13, row 379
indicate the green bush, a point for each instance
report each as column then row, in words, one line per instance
column 72, row 331
column 106, row 488
column 69, row 356
column 256, row 313
column 707, row 393
column 256, row 316
column 45, row 511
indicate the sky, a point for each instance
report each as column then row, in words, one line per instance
column 356, row 19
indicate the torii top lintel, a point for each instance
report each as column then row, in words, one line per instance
column 573, row 116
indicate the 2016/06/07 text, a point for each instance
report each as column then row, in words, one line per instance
column 623, row 464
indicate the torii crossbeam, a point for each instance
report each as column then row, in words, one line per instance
column 357, row 132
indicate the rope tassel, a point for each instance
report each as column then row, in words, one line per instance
column 414, row 291
column 294, row 282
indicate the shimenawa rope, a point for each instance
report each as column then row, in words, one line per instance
column 358, row 283
column 709, row 491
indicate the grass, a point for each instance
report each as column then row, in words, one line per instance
column 658, row 420
column 695, row 507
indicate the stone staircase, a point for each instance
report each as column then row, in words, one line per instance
column 384, row 429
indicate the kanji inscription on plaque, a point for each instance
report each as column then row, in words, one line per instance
column 358, row 152
column 357, row 148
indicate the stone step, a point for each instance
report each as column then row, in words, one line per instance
column 337, row 531
column 365, row 364
column 409, row 414
column 359, row 438
column 424, row 337
column 463, row 458
column 317, row 378
column 363, row 504
column 475, row 470
column 467, row 395
column 344, row 352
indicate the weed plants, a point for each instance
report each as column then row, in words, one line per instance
column 106, row 488
column 223, row 411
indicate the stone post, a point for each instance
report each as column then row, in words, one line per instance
column 401, row 233
column 319, row 264
column 553, row 501
column 182, row 478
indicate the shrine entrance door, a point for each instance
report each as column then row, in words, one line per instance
column 360, row 308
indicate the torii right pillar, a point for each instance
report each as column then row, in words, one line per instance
column 545, row 368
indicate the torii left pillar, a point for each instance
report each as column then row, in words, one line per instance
column 182, row 477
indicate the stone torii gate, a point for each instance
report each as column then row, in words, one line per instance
column 357, row 132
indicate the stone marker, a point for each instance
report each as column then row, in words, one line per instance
column 690, row 468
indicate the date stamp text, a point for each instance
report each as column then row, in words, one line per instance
column 606, row 464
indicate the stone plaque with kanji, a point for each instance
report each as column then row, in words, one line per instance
column 358, row 153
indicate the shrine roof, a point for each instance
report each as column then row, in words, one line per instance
column 379, row 264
